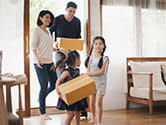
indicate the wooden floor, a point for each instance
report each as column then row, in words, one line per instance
column 120, row 117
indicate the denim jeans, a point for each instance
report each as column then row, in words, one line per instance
column 45, row 76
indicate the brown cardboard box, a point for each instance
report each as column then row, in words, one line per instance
column 77, row 89
column 72, row 44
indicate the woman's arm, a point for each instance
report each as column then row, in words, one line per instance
column 101, row 71
column 34, row 46
column 37, row 58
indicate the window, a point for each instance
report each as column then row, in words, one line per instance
column 57, row 7
column 153, row 32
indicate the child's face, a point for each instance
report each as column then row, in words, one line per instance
column 98, row 46
column 77, row 62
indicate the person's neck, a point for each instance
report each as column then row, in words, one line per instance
column 43, row 27
column 97, row 54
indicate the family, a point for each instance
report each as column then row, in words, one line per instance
column 67, row 62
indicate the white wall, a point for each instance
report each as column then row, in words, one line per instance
column 119, row 46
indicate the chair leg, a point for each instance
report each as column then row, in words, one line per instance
column 127, row 102
column 151, row 108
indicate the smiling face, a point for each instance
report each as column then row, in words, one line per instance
column 98, row 46
column 70, row 12
column 46, row 20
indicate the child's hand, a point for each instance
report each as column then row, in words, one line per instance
column 58, row 92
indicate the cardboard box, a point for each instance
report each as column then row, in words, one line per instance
column 77, row 89
column 71, row 44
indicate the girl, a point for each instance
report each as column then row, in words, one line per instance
column 73, row 61
column 42, row 48
column 97, row 65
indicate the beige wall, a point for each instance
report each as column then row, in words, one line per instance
column 95, row 18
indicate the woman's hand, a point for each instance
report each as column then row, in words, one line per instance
column 39, row 64
column 65, row 51
column 56, row 45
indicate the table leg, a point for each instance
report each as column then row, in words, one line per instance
column 3, row 111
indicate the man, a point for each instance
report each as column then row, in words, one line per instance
column 67, row 26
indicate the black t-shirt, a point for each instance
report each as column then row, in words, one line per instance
column 65, row 29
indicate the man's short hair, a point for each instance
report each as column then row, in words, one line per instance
column 71, row 4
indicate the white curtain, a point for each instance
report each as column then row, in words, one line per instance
column 154, row 30
column 11, row 32
column 11, row 40
column 115, row 2
column 134, row 28
column 119, row 34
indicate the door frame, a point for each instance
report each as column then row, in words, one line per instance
column 26, row 37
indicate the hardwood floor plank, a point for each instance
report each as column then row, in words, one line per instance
column 118, row 117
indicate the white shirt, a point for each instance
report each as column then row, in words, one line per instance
column 43, row 44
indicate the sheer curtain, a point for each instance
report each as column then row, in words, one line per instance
column 119, row 32
column 11, row 40
column 154, row 29
column 11, row 31
column 132, row 28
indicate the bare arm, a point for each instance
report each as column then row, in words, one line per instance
column 99, row 72
column 60, row 79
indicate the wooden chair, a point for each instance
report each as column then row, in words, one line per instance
column 13, row 119
column 150, row 102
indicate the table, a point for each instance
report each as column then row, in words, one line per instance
column 3, row 111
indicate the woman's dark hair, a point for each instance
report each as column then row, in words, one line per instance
column 102, row 54
column 61, row 60
column 71, row 58
column 71, row 4
column 43, row 13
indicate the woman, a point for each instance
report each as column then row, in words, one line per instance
column 42, row 48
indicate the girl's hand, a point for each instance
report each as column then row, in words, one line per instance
column 58, row 92
column 39, row 64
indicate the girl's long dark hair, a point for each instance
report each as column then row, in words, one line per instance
column 62, row 59
column 102, row 54
column 71, row 58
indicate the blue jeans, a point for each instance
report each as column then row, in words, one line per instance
column 45, row 75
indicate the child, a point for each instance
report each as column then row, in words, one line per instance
column 73, row 61
column 97, row 65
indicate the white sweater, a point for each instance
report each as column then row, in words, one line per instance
column 43, row 44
